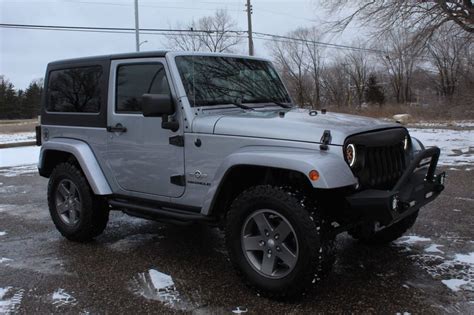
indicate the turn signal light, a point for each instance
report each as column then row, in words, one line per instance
column 314, row 175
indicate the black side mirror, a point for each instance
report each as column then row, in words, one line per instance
column 159, row 105
column 156, row 105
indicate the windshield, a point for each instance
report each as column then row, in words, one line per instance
column 210, row 80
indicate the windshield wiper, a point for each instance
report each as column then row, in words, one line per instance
column 238, row 102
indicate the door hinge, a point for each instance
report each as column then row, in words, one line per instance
column 177, row 141
column 179, row 180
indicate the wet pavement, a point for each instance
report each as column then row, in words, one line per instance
column 140, row 266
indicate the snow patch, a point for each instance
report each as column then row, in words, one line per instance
column 464, row 198
column 19, row 170
column 456, row 210
column 433, row 248
column 17, row 137
column 240, row 310
column 455, row 284
column 411, row 239
column 10, row 300
column 2, row 233
column 457, row 146
column 155, row 285
column 4, row 260
column 19, row 156
column 160, row 280
column 62, row 298
column 468, row 259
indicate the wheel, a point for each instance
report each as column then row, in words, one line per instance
column 385, row 235
column 77, row 213
column 274, row 242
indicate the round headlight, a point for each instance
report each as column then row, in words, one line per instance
column 351, row 154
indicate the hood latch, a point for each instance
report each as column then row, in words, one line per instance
column 325, row 140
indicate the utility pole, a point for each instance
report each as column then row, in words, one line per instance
column 249, row 21
column 137, row 30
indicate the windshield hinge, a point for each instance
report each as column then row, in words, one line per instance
column 177, row 141
column 325, row 140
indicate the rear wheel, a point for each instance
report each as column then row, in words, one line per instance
column 386, row 235
column 274, row 242
column 77, row 213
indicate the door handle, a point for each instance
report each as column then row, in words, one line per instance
column 118, row 128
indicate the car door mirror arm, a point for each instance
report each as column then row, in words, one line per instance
column 167, row 124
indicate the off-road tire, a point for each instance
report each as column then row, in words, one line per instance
column 309, row 265
column 386, row 235
column 94, row 210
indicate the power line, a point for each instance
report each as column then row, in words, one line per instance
column 262, row 36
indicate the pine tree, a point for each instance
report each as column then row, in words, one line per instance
column 31, row 100
column 373, row 92
column 9, row 106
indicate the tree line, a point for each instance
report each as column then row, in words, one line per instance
column 20, row 104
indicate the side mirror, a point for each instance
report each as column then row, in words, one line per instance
column 157, row 105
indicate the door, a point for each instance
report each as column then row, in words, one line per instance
column 139, row 154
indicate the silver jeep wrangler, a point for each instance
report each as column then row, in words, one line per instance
column 215, row 138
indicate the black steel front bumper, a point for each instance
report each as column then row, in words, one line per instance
column 416, row 187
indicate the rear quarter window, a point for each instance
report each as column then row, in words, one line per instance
column 74, row 90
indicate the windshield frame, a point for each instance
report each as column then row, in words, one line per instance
column 222, row 104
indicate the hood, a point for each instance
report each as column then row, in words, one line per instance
column 296, row 125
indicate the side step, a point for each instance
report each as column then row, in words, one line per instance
column 155, row 212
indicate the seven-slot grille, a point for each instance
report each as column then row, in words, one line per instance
column 380, row 157
column 383, row 166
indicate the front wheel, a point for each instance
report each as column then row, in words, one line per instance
column 274, row 242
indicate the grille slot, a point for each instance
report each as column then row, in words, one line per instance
column 383, row 166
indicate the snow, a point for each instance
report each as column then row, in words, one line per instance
column 10, row 305
column 240, row 310
column 2, row 233
column 412, row 239
column 160, row 280
column 61, row 297
column 18, row 170
column 17, row 137
column 433, row 248
column 459, row 123
column 455, row 284
column 3, row 259
column 19, row 156
column 457, row 146
column 468, row 259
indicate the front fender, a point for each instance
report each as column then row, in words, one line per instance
column 333, row 170
column 86, row 158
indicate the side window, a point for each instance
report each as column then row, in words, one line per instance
column 74, row 90
column 134, row 80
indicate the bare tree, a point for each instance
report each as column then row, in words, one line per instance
column 400, row 62
column 423, row 16
column 357, row 69
column 314, row 62
column 290, row 56
column 449, row 54
column 214, row 33
column 335, row 84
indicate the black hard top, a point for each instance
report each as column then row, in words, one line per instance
column 145, row 54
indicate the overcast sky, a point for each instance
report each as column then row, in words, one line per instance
column 25, row 53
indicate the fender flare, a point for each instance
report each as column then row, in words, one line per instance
column 333, row 170
column 86, row 158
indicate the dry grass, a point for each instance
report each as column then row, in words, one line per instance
column 418, row 113
column 18, row 125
